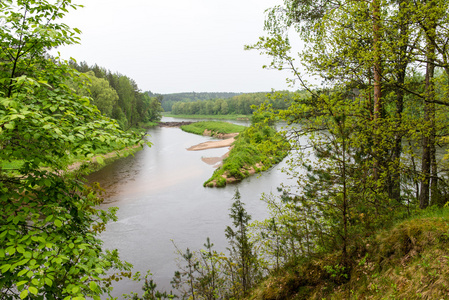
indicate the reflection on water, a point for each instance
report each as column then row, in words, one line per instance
column 160, row 195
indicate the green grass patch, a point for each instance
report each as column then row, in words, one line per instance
column 214, row 127
column 220, row 117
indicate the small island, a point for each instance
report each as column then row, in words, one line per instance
column 253, row 149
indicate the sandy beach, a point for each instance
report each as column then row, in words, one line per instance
column 213, row 144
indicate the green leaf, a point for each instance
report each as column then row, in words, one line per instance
column 100, row 160
column 11, row 250
column 5, row 268
column 23, row 294
column 20, row 283
column 23, row 261
column 33, row 290
column 9, row 125
column 47, row 182
column 93, row 286
column 48, row 281
column 58, row 223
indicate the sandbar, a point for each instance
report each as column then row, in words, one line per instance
column 212, row 144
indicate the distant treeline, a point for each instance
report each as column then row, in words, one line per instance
column 170, row 99
column 240, row 104
column 118, row 96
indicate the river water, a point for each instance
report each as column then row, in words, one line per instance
column 160, row 195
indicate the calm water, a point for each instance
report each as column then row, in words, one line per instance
column 161, row 198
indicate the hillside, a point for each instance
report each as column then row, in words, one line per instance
column 408, row 261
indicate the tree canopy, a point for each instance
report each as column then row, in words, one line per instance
column 118, row 96
column 49, row 221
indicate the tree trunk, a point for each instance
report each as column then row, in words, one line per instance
column 428, row 141
column 395, row 184
column 377, row 84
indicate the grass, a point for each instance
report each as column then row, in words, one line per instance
column 409, row 260
column 214, row 127
column 220, row 117
column 105, row 156
column 256, row 149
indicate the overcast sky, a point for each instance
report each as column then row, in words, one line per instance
column 170, row 46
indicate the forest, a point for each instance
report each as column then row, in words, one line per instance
column 243, row 104
column 118, row 97
column 168, row 100
column 367, row 216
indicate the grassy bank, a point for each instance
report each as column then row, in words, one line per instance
column 220, row 117
column 213, row 128
column 407, row 261
column 256, row 149
column 92, row 164
column 99, row 161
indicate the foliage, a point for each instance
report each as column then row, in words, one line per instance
column 50, row 221
column 207, row 274
column 149, row 288
column 237, row 105
column 405, row 261
column 202, row 274
column 365, row 143
column 170, row 99
column 219, row 117
column 119, row 97
column 241, row 248
column 103, row 96
column 213, row 128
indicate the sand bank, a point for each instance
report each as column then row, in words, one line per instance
column 212, row 144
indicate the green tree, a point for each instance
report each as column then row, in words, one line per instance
column 240, row 247
column 103, row 96
column 356, row 125
column 50, row 221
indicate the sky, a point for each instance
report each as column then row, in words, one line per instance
column 172, row 46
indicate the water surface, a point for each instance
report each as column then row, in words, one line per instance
column 161, row 198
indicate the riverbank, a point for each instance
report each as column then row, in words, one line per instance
column 99, row 161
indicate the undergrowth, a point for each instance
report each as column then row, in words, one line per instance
column 409, row 260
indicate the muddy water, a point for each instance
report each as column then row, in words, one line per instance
column 161, row 199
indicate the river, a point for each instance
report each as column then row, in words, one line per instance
column 160, row 195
